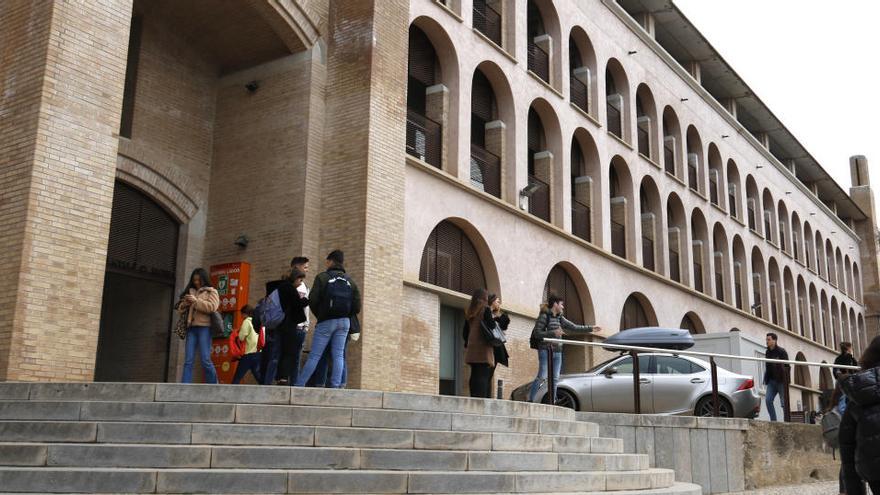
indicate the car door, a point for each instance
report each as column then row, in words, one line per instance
column 613, row 392
column 677, row 384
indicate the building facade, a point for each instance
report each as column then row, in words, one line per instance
column 598, row 149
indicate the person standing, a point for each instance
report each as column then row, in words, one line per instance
column 860, row 426
column 197, row 301
column 334, row 299
column 775, row 374
column 845, row 358
column 297, row 337
column 479, row 354
column 552, row 324
column 292, row 304
column 250, row 361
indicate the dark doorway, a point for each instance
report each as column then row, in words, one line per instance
column 136, row 309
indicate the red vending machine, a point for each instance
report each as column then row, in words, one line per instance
column 232, row 281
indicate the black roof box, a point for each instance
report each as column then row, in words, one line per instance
column 654, row 337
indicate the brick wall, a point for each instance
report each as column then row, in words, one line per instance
column 420, row 342
column 66, row 153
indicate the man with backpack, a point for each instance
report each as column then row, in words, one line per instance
column 281, row 311
column 334, row 299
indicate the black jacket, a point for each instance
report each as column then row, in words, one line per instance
column 318, row 301
column 776, row 372
column 291, row 302
column 845, row 359
column 860, row 426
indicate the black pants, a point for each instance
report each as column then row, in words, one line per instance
column 481, row 380
column 248, row 362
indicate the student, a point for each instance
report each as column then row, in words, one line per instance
column 250, row 361
column 197, row 301
column 845, row 358
column 479, row 354
column 860, row 426
column 774, row 374
column 292, row 303
column 293, row 345
column 334, row 299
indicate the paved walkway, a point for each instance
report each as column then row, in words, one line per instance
column 819, row 488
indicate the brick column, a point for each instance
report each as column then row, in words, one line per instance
column 437, row 99
column 363, row 181
column 61, row 102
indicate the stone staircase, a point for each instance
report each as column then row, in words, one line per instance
column 172, row 438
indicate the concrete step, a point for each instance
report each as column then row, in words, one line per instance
column 252, row 394
column 198, row 412
column 252, row 457
column 72, row 480
column 286, row 435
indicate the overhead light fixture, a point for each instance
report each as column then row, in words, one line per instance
column 252, row 87
column 242, row 241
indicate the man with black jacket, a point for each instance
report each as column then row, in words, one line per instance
column 293, row 303
column 845, row 358
column 774, row 375
column 334, row 299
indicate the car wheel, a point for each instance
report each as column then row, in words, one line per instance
column 705, row 407
column 564, row 398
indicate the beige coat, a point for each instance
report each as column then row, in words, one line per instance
column 199, row 313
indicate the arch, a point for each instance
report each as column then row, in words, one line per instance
column 827, row 329
column 432, row 60
column 544, row 170
column 776, row 294
column 692, row 323
column 853, row 327
column 646, row 118
column 857, row 282
column 567, row 282
column 504, row 126
column 821, row 260
column 839, row 271
column 457, row 258
column 788, row 301
column 815, row 315
column 784, row 239
column 753, row 205
column 701, row 252
column 721, row 264
column 677, row 239
column 637, row 312
column 542, row 21
column 672, row 140
column 486, row 151
column 830, row 267
column 695, row 160
column 734, row 191
column 847, row 270
column 803, row 312
column 797, row 238
column 716, row 177
column 768, row 217
column 835, row 323
column 652, row 229
column 622, row 217
column 583, row 88
column 802, row 378
column 844, row 324
column 168, row 188
column 586, row 185
column 825, row 380
column 809, row 247
column 760, row 305
column 617, row 97
column 740, row 274
column 296, row 28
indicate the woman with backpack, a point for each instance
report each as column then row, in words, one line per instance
column 197, row 301
column 479, row 354
column 551, row 325
column 860, row 426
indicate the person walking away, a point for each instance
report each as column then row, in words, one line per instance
column 774, row 374
column 250, row 361
column 197, row 301
column 845, row 358
column 297, row 337
column 552, row 324
column 860, row 427
column 334, row 299
column 479, row 354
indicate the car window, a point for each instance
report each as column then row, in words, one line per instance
column 595, row 369
column 625, row 366
column 670, row 365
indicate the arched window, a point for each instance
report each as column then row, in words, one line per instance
column 618, row 222
column 636, row 313
column 616, row 94
column 716, row 176
column 694, row 159
column 538, row 168
column 560, row 283
column 582, row 70
column 802, row 378
column 734, row 190
column 581, row 194
column 753, row 204
column 423, row 133
column 488, row 15
column 671, row 140
column 485, row 142
column 649, row 204
column 691, row 322
column 539, row 58
column 450, row 260
column 646, row 116
column 676, row 225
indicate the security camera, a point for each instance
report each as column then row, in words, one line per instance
column 252, row 86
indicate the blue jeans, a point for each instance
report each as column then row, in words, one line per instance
column 198, row 338
column 319, row 377
column 248, row 362
column 333, row 333
column 774, row 388
column 542, row 372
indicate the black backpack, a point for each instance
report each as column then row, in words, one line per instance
column 339, row 295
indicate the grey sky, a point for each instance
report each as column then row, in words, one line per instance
column 815, row 63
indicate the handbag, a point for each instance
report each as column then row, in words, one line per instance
column 180, row 327
column 218, row 328
column 494, row 336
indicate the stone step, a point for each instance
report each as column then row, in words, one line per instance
column 251, row 457
column 189, row 412
column 263, row 395
column 73, row 480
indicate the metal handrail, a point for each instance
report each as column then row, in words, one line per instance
column 635, row 350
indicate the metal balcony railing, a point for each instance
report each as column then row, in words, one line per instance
column 487, row 21
column 423, row 138
column 485, row 171
column 644, row 142
column 539, row 201
column 648, row 253
column 618, row 239
column 669, row 159
column 539, row 62
column 580, row 94
column 615, row 125
column 581, row 220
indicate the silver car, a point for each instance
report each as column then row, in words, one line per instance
column 670, row 384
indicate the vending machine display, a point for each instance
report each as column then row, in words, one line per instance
column 232, row 281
